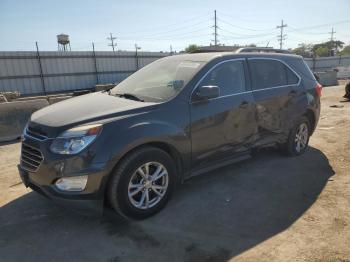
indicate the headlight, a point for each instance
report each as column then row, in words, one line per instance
column 76, row 139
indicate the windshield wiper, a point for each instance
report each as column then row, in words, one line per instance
column 130, row 96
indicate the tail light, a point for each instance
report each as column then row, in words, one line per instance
column 318, row 89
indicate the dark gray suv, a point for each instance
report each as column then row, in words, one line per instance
column 177, row 117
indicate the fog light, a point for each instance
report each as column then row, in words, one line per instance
column 76, row 183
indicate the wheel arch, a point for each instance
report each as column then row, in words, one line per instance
column 166, row 147
column 312, row 119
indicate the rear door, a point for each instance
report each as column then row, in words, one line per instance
column 275, row 88
column 223, row 126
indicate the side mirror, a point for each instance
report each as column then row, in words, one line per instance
column 206, row 92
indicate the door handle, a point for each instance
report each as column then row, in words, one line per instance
column 293, row 93
column 244, row 104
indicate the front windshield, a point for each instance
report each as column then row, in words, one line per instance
column 160, row 80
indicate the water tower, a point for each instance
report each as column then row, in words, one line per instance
column 63, row 42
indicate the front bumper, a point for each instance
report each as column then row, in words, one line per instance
column 52, row 167
column 81, row 202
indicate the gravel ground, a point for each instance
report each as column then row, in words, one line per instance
column 268, row 208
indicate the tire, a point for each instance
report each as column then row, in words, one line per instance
column 130, row 188
column 298, row 139
column 347, row 91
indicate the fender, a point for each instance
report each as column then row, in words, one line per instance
column 155, row 131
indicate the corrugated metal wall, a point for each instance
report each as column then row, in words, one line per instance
column 66, row 71
column 342, row 63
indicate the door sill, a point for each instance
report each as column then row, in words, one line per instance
column 226, row 162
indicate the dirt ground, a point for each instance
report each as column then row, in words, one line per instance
column 268, row 208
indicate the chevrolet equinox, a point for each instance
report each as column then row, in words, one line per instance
column 177, row 117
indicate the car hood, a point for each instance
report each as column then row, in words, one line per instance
column 86, row 108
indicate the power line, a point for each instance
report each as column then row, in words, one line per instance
column 167, row 38
column 303, row 32
column 167, row 32
column 244, row 18
column 322, row 25
column 160, row 29
column 242, row 36
column 171, row 35
column 282, row 36
column 111, row 38
column 245, row 28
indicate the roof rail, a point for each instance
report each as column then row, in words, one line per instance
column 262, row 50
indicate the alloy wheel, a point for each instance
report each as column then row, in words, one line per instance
column 148, row 185
column 301, row 137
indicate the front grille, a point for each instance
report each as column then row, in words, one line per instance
column 31, row 158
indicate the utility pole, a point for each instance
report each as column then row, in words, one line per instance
column 171, row 49
column 95, row 62
column 136, row 56
column 111, row 38
column 215, row 30
column 40, row 68
column 332, row 34
column 332, row 51
column 282, row 36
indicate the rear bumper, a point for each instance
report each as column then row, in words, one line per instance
column 90, row 204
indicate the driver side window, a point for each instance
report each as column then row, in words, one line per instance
column 228, row 76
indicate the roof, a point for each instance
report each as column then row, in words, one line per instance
column 206, row 57
column 262, row 50
column 200, row 57
column 216, row 48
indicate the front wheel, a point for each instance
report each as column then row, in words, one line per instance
column 298, row 138
column 142, row 183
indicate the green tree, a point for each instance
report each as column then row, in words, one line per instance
column 304, row 50
column 322, row 51
column 191, row 48
column 346, row 50
column 330, row 45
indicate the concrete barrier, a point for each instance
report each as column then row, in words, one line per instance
column 327, row 78
column 14, row 116
column 82, row 92
column 57, row 99
column 343, row 71
column 103, row 87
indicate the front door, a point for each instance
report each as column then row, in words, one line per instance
column 223, row 126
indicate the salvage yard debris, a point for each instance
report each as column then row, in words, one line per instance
column 9, row 96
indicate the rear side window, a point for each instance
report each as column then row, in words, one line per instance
column 270, row 73
column 228, row 76
column 292, row 79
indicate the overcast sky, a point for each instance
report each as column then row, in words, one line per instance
column 157, row 24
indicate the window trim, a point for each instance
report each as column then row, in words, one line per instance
column 274, row 59
column 249, row 72
column 211, row 69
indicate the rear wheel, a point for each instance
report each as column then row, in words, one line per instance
column 347, row 91
column 298, row 139
column 142, row 183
